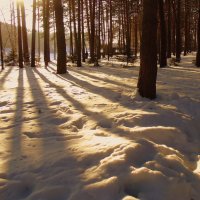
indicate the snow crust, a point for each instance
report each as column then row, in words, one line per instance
column 88, row 136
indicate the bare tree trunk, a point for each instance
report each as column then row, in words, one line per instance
column 38, row 11
column 1, row 49
column 92, row 21
column 24, row 34
column 148, row 70
column 61, row 44
column 20, row 51
column 169, row 35
column 82, row 31
column 79, row 64
column 178, row 31
column 71, row 34
column 33, row 35
column 46, row 32
column 163, row 39
column 198, row 41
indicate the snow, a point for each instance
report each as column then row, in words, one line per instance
column 88, row 134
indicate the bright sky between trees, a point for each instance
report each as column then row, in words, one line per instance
column 5, row 11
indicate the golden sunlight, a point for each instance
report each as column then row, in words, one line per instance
column 5, row 11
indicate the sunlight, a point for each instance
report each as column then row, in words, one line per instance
column 5, row 11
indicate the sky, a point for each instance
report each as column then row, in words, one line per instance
column 5, row 11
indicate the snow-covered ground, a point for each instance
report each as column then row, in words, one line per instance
column 88, row 136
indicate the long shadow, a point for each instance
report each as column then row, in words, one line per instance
column 102, row 91
column 20, row 162
column 116, row 71
column 107, row 93
column 3, row 78
column 48, row 123
column 41, row 105
column 79, row 106
column 111, row 128
column 101, row 79
column 183, row 69
column 15, row 146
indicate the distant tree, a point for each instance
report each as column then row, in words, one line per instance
column 46, row 14
column 20, row 51
column 79, row 36
column 1, row 50
column 163, row 38
column 198, row 41
column 82, row 31
column 60, row 36
column 24, row 34
column 33, row 35
column 169, row 28
column 178, row 31
column 148, row 69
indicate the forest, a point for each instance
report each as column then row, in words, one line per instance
column 100, row 99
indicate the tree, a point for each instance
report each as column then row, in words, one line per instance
column 79, row 36
column 148, row 69
column 198, row 39
column 60, row 36
column 178, row 31
column 163, row 42
column 24, row 34
column 169, row 28
column 33, row 35
column 45, row 8
column 1, row 50
column 20, row 51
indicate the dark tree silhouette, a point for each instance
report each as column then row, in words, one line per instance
column 60, row 36
column 33, row 35
column 20, row 51
column 1, row 49
column 148, row 69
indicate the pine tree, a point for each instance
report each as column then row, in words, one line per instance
column 148, row 69
column 198, row 41
column 1, row 49
column 60, row 36
column 33, row 35
column 20, row 51
column 24, row 34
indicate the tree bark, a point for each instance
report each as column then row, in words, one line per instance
column 163, row 39
column 1, row 49
column 169, row 32
column 178, row 32
column 60, row 36
column 33, row 35
column 198, row 41
column 20, row 51
column 148, row 69
column 24, row 34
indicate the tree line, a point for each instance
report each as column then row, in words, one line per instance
column 154, row 30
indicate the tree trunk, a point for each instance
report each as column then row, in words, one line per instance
column 60, row 36
column 1, row 50
column 178, row 31
column 82, row 31
column 198, row 41
column 46, row 32
column 148, row 70
column 24, row 34
column 20, row 51
column 92, row 21
column 163, row 39
column 38, row 11
column 169, row 32
column 79, row 64
column 33, row 35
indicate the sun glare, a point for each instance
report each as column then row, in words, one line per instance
column 5, row 11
